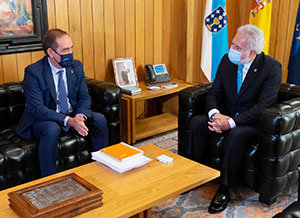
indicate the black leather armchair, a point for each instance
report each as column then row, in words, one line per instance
column 19, row 158
column 271, row 165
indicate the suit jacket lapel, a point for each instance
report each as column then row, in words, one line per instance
column 71, row 81
column 254, row 69
column 49, row 77
column 232, row 77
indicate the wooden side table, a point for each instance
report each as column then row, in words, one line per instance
column 134, row 129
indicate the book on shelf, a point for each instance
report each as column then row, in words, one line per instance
column 131, row 90
column 112, row 159
column 121, row 151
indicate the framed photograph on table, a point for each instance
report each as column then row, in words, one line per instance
column 125, row 74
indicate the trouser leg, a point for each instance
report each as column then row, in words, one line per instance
column 47, row 133
column 234, row 147
column 98, row 130
column 199, row 135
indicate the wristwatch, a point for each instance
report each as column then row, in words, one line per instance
column 212, row 116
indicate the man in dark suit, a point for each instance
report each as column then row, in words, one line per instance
column 125, row 73
column 57, row 100
column 247, row 81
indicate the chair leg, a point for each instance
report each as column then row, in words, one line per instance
column 266, row 199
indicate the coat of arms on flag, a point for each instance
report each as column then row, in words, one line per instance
column 215, row 37
column 257, row 5
column 216, row 20
column 260, row 16
column 297, row 32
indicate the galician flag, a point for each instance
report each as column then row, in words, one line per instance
column 260, row 16
column 294, row 63
column 215, row 37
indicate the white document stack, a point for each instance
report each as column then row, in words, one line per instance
column 121, row 166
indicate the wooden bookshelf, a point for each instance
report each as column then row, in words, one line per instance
column 165, row 120
column 155, row 125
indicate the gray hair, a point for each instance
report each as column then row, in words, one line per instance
column 256, row 37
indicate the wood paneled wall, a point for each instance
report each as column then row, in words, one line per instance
column 151, row 31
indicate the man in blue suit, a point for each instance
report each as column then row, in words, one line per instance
column 57, row 100
column 247, row 82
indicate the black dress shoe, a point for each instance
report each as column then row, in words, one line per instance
column 220, row 200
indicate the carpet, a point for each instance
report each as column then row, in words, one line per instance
column 193, row 204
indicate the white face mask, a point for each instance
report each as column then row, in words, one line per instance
column 235, row 57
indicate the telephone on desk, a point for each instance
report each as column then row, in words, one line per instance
column 157, row 73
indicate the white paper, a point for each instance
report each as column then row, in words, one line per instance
column 120, row 166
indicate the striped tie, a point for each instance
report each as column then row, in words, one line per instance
column 62, row 94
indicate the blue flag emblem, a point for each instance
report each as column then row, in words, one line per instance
column 217, row 20
column 294, row 62
column 297, row 33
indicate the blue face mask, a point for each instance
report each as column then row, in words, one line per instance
column 65, row 60
column 235, row 56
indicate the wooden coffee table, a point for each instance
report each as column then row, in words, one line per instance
column 132, row 193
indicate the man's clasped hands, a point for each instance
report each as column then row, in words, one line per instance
column 219, row 123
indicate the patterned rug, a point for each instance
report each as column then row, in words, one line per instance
column 193, row 204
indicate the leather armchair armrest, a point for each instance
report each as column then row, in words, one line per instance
column 106, row 99
column 191, row 103
column 277, row 126
column 288, row 91
column 278, row 150
column 279, row 136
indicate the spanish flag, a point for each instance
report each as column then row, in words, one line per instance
column 260, row 16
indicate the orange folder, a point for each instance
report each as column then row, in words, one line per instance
column 121, row 152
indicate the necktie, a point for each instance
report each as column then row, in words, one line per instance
column 62, row 94
column 239, row 77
